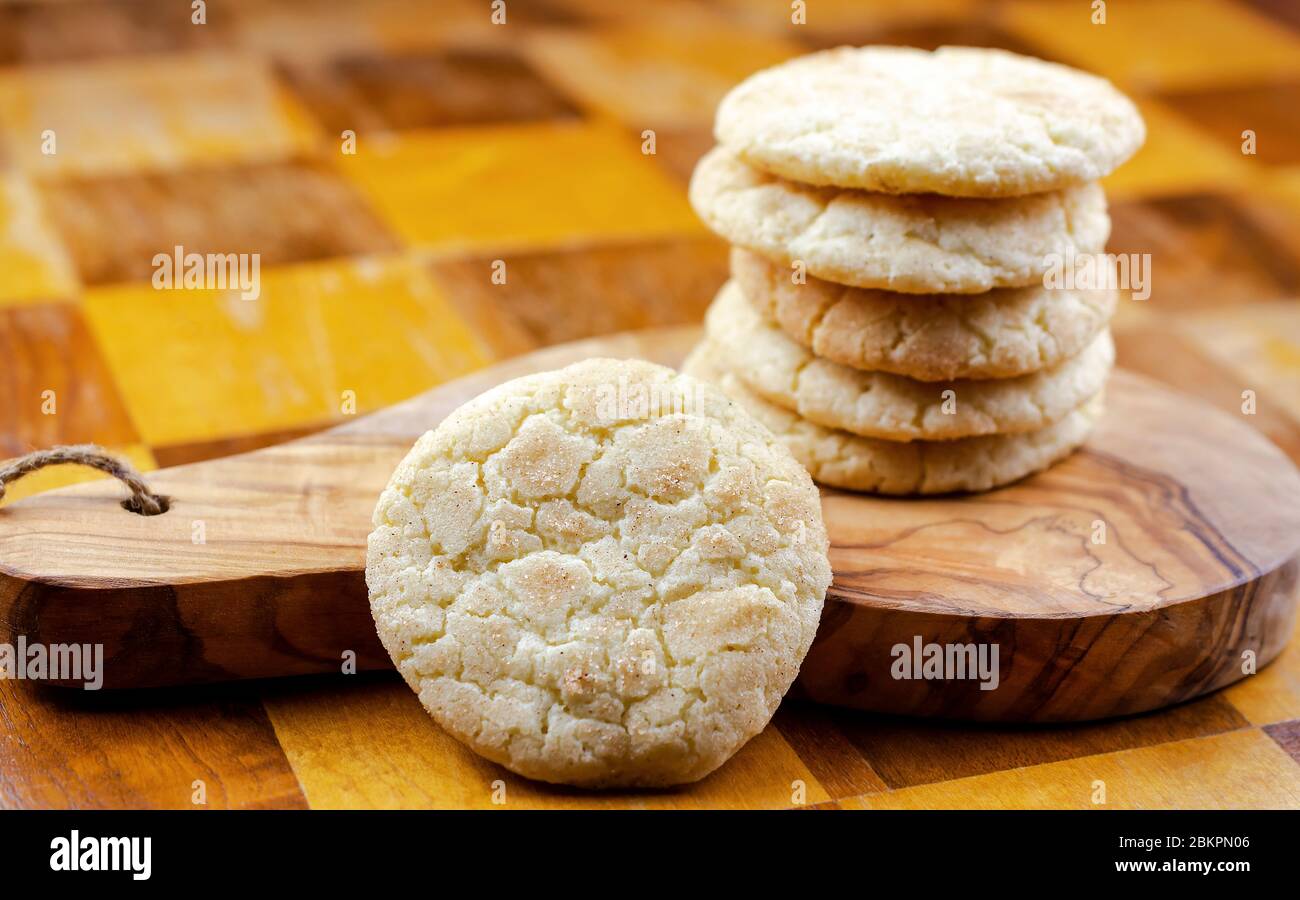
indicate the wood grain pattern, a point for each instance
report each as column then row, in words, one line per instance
column 649, row 76
column 1217, row 240
column 418, row 765
column 906, row 751
column 39, row 33
column 555, row 296
column 48, row 348
column 1266, row 109
column 140, row 751
column 1236, row 770
column 284, row 212
column 454, row 87
column 1197, row 564
column 370, row 330
column 543, row 184
column 1198, row 544
column 1154, row 350
column 1201, row 42
column 35, row 264
column 1212, row 249
column 140, row 121
column 1287, row 736
column 1272, row 696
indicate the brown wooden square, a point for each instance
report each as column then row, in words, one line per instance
column 1267, row 110
column 556, row 296
column 50, row 349
column 288, row 213
column 42, row 32
column 145, row 750
column 1287, row 736
column 908, row 752
column 1286, row 12
column 454, row 87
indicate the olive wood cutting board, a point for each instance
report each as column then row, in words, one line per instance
column 1156, row 564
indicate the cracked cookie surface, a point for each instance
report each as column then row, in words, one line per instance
column 999, row 334
column 883, row 405
column 916, row 244
column 845, row 460
column 603, row 575
column 960, row 121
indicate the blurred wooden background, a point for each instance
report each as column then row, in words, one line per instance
column 523, row 142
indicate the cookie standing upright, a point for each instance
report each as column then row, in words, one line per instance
column 604, row 575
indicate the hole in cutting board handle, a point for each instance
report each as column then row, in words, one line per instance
column 164, row 504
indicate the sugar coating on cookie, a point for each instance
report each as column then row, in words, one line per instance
column 888, row 406
column 930, row 337
column 917, row 244
column 603, row 575
column 851, row 462
column 961, row 121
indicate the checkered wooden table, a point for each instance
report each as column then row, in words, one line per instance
column 524, row 142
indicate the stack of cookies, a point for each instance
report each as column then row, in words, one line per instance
column 898, row 218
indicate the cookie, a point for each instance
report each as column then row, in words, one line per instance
column 843, row 460
column 917, row 244
column 883, row 405
column 603, row 575
column 961, row 121
column 929, row 337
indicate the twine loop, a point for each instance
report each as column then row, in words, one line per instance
column 142, row 500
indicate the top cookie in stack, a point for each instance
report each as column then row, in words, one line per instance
column 893, row 214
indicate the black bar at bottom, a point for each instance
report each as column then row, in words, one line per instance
column 584, row 850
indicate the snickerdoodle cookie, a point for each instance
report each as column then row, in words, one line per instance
column 929, row 337
column 883, row 405
column 917, row 244
column 844, row 460
column 961, row 121
column 603, row 575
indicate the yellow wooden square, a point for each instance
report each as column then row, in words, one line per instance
column 1161, row 44
column 1259, row 343
column 1236, row 770
column 52, row 477
column 197, row 365
column 649, row 77
column 154, row 112
column 1272, row 694
column 1178, row 158
column 34, row 265
column 402, row 759
column 1283, row 183
column 518, row 186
